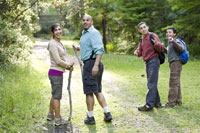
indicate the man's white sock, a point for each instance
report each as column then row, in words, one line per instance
column 90, row 113
column 106, row 110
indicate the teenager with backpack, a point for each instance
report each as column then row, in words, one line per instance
column 175, row 47
column 150, row 54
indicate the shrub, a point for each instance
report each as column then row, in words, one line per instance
column 194, row 50
column 110, row 47
column 14, row 47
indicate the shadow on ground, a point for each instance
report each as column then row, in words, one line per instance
column 49, row 127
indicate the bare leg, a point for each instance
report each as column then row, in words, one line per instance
column 101, row 99
column 90, row 102
column 51, row 107
column 56, row 103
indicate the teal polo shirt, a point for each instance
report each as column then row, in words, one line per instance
column 91, row 40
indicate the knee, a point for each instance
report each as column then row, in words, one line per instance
column 89, row 95
column 98, row 94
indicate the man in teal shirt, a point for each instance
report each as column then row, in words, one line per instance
column 92, row 49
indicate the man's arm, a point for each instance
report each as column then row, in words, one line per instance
column 95, row 68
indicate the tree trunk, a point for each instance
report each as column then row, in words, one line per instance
column 109, row 35
column 104, row 33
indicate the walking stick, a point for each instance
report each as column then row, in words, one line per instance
column 69, row 92
column 79, row 60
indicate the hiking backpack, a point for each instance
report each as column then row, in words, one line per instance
column 161, row 55
column 184, row 54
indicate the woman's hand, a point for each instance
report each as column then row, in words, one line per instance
column 70, row 66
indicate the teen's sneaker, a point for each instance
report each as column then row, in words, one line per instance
column 60, row 121
column 89, row 120
column 107, row 117
column 50, row 117
column 158, row 105
column 145, row 108
column 179, row 103
column 168, row 105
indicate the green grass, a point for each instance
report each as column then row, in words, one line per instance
column 22, row 104
column 25, row 91
column 178, row 119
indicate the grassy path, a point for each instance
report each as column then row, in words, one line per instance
column 124, row 86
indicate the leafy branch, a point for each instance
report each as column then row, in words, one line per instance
column 25, row 10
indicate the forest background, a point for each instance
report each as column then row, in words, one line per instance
column 22, row 20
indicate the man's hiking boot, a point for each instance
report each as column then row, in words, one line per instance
column 145, row 108
column 60, row 121
column 50, row 117
column 107, row 117
column 89, row 120
column 158, row 105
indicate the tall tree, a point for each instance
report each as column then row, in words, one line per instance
column 154, row 12
column 188, row 22
column 103, row 10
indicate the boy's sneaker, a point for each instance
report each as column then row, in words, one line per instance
column 168, row 105
column 50, row 117
column 60, row 121
column 158, row 105
column 107, row 117
column 145, row 108
column 89, row 120
column 179, row 103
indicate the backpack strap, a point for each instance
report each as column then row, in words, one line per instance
column 91, row 56
column 184, row 45
column 150, row 38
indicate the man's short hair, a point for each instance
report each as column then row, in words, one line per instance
column 173, row 29
column 141, row 24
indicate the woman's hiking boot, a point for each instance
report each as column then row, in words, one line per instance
column 50, row 117
column 60, row 121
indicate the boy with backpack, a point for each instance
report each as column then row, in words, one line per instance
column 175, row 48
column 149, row 53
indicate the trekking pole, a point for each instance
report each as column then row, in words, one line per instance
column 69, row 92
column 79, row 60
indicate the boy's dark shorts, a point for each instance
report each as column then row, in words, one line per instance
column 56, row 85
column 91, row 84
